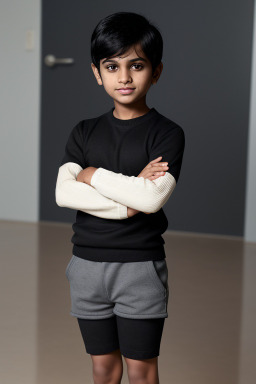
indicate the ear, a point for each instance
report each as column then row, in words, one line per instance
column 157, row 73
column 96, row 74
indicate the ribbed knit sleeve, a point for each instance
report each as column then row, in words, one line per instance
column 135, row 192
column 73, row 194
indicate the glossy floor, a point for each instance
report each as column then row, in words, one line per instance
column 208, row 338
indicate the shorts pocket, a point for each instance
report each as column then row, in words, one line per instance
column 159, row 273
column 69, row 266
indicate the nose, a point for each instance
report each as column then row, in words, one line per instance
column 124, row 76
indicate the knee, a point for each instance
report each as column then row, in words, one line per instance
column 137, row 376
column 144, row 371
column 107, row 372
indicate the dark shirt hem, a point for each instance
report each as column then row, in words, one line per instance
column 119, row 255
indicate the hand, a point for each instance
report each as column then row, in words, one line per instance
column 152, row 171
column 86, row 174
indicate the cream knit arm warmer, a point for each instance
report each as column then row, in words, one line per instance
column 135, row 192
column 73, row 194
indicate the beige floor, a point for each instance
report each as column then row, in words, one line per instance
column 208, row 338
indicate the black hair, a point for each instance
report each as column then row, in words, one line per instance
column 120, row 31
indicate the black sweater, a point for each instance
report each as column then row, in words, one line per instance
column 117, row 148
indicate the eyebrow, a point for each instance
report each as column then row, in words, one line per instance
column 115, row 61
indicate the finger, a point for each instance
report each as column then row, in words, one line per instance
column 159, row 165
column 154, row 177
column 159, row 173
column 156, row 160
column 158, row 169
column 152, row 172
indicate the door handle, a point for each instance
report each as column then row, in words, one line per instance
column 51, row 60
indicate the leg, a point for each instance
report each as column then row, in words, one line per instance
column 101, row 342
column 143, row 371
column 139, row 341
column 107, row 368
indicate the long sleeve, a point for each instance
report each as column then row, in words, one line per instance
column 73, row 194
column 143, row 194
column 135, row 192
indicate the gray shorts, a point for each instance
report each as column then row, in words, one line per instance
column 136, row 290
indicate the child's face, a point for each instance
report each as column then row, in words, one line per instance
column 122, row 72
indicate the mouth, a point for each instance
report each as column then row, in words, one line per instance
column 125, row 91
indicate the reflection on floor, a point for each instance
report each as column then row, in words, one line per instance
column 208, row 338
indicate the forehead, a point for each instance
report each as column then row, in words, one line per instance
column 129, row 55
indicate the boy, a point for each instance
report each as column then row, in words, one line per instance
column 112, row 174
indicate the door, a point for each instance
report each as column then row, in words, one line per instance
column 69, row 91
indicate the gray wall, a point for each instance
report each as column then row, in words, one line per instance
column 19, row 110
column 250, row 214
column 208, row 57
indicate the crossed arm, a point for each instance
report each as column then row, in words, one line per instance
column 73, row 194
column 111, row 193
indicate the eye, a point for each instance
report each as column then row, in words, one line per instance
column 138, row 65
column 113, row 65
